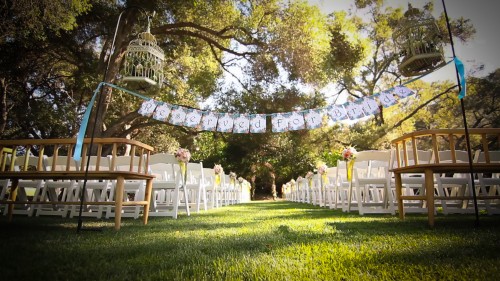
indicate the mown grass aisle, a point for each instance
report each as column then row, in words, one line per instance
column 256, row 241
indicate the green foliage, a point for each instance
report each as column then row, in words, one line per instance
column 256, row 241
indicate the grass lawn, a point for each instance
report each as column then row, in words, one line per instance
column 262, row 240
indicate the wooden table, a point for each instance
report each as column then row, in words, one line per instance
column 65, row 147
column 429, row 170
column 119, row 176
column 406, row 148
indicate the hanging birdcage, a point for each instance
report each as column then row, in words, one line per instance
column 419, row 43
column 144, row 60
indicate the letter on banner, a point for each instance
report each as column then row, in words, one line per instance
column 296, row 121
column 241, row 123
column 313, row 118
column 402, row 91
column 225, row 123
column 162, row 112
column 370, row 106
column 178, row 115
column 257, row 123
column 387, row 99
column 354, row 110
column 209, row 121
column 279, row 122
column 147, row 108
column 193, row 118
column 337, row 113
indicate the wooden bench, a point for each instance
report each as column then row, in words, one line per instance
column 437, row 139
column 137, row 171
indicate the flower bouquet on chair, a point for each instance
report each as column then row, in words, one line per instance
column 349, row 155
column 322, row 167
column 218, row 171
column 183, row 156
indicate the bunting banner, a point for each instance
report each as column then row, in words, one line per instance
column 296, row 121
column 279, row 122
column 178, row 115
column 162, row 112
column 241, row 124
column 258, row 123
column 337, row 113
column 209, row 121
column 225, row 123
column 313, row 118
column 193, row 118
column 387, row 99
column 147, row 108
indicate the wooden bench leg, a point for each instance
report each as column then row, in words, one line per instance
column 147, row 197
column 399, row 188
column 118, row 201
column 429, row 193
column 12, row 198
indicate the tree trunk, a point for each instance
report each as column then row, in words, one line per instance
column 3, row 105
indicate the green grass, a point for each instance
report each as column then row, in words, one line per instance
column 263, row 240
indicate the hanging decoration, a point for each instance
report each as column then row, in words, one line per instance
column 419, row 42
column 257, row 123
column 144, row 60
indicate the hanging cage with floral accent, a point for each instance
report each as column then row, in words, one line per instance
column 144, row 60
column 420, row 44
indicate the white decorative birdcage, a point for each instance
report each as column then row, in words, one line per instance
column 144, row 60
column 419, row 42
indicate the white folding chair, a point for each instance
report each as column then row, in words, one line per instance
column 196, row 187
column 331, row 192
column 211, row 188
column 57, row 190
column 166, row 189
column 27, row 190
column 454, row 185
column 133, row 190
column 414, row 184
column 372, row 182
column 489, row 184
column 95, row 190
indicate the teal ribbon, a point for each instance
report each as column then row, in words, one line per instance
column 77, row 154
column 461, row 72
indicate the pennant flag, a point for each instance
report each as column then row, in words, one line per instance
column 225, row 123
column 257, row 123
column 354, row 110
column 147, row 108
column 193, row 118
column 402, row 91
column 461, row 73
column 337, row 112
column 296, row 121
column 313, row 118
column 279, row 122
column 387, row 99
column 178, row 115
column 370, row 106
column 209, row 121
column 241, row 124
column 162, row 112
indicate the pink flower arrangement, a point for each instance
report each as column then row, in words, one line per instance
column 232, row 175
column 349, row 153
column 322, row 169
column 183, row 155
column 309, row 175
column 218, row 169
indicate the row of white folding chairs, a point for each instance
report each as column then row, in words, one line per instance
column 200, row 192
column 40, row 191
column 368, row 192
column 373, row 183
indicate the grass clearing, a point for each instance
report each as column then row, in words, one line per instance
column 262, row 240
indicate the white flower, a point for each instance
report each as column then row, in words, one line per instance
column 183, row 155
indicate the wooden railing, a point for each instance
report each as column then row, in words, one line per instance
column 10, row 149
column 406, row 147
